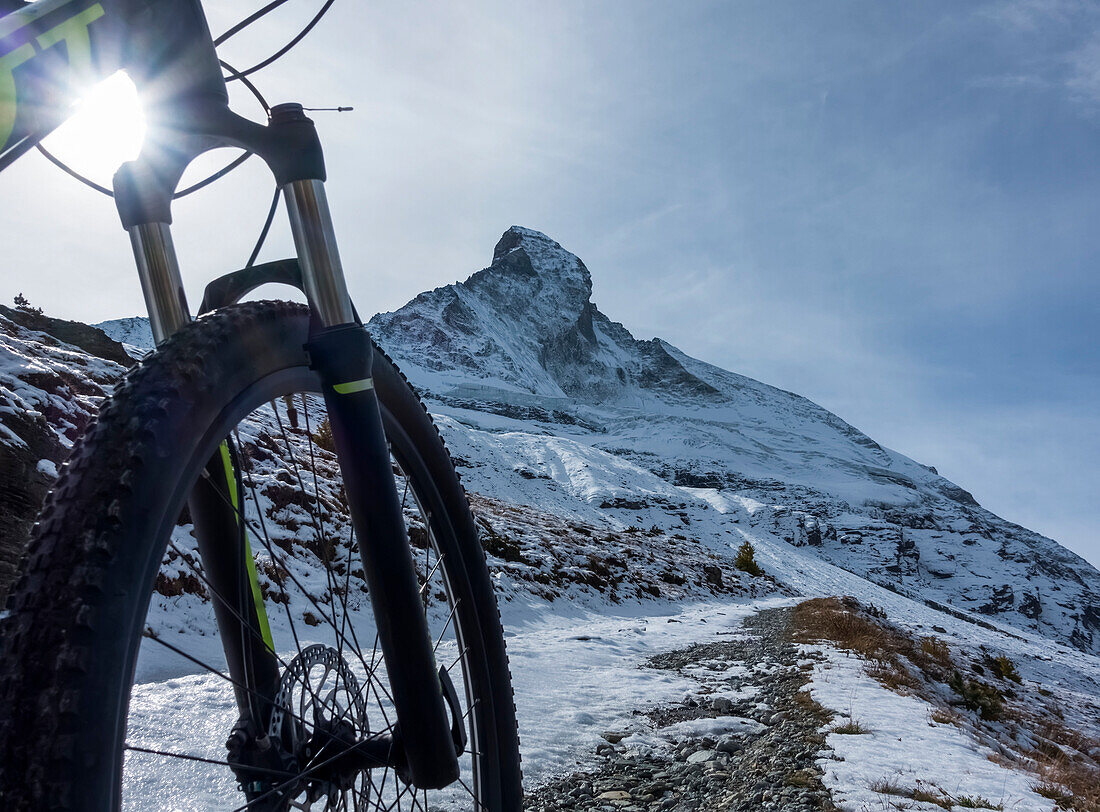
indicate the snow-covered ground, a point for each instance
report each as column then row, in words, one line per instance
column 905, row 746
column 614, row 480
column 576, row 675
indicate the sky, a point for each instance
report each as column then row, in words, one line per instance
column 889, row 208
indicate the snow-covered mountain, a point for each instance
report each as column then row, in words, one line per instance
column 545, row 393
column 546, row 402
column 132, row 332
column 612, row 480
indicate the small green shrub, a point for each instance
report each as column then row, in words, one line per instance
column 975, row 802
column 746, row 560
column 22, row 304
column 979, row 696
column 1004, row 668
column 1055, row 792
column 323, row 437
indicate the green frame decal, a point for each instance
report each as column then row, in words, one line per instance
column 351, row 387
column 250, row 563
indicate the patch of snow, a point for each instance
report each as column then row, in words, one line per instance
column 905, row 746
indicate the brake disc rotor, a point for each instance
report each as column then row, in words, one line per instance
column 318, row 697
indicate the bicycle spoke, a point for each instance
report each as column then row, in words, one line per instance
column 458, row 659
column 278, row 561
column 186, row 757
column 222, row 675
column 351, row 541
column 318, row 520
column 447, row 625
column 267, row 545
column 280, row 787
column 318, row 524
column 322, row 692
column 321, row 522
column 236, row 614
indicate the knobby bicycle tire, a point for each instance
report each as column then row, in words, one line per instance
column 70, row 642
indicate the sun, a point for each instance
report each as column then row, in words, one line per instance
column 106, row 130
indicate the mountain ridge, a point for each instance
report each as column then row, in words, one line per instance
column 546, row 400
column 494, row 345
column 558, row 345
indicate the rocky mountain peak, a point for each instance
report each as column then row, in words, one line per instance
column 527, row 324
column 533, row 278
column 546, row 402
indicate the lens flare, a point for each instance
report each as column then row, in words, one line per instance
column 107, row 129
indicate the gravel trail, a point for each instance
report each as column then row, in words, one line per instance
column 747, row 741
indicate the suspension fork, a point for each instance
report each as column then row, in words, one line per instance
column 341, row 352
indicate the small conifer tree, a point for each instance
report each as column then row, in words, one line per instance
column 22, row 304
column 323, row 436
column 746, row 560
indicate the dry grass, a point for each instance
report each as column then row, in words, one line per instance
column 1071, row 784
column 853, row 727
column 801, row 778
column 1066, row 771
column 893, row 674
column 937, row 650
column 890, row 652
column 921, row 792
column 928, row 793
column 943, row 716
column 804, row 700
column 1068, row 775
column 842, row 622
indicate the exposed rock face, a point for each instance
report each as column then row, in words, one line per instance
column 134, row 333
column 1031, row 606
column 1001, row 599
column 90, row 339
column 49, row 390
column 553, row 342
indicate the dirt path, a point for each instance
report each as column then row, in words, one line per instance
column 748, row 741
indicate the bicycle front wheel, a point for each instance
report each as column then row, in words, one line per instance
column 114, row 690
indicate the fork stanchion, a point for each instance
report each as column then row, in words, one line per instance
column 161, row 284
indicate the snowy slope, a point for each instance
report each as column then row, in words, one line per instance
column 133, row 332
column 519, row 352
column 49, row 390
column 548, row 402
column 613, row 480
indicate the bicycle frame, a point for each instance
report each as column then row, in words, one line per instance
column 49, row 50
